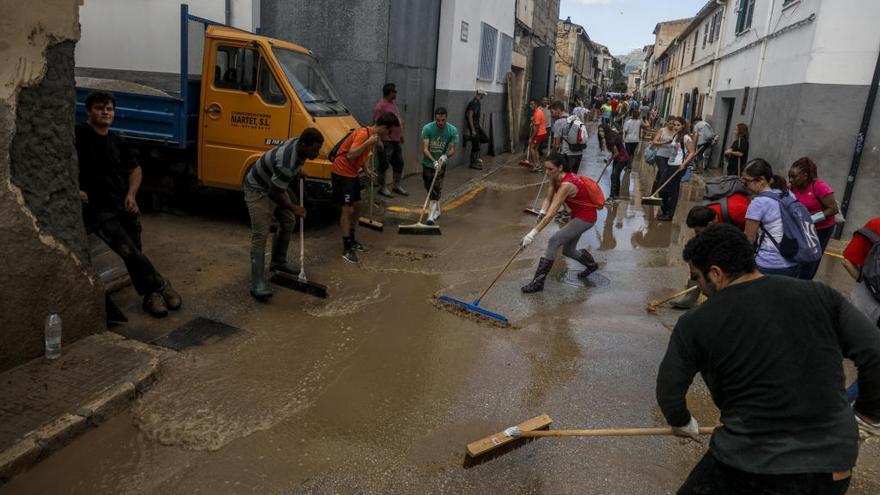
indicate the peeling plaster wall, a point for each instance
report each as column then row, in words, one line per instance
column 45, row 255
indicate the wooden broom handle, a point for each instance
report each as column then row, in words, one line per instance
column 667, row 181
column 486, row 290
column 612, row 432
column 428, row 197
column 677, row 294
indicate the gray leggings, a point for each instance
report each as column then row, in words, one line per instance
column 567, row 237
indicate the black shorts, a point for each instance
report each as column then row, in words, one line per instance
column 346, row 190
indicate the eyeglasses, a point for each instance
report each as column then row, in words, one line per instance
column 747, row 181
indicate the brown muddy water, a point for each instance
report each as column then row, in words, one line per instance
column 377, row 390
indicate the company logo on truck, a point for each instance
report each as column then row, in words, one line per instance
column 249, row 120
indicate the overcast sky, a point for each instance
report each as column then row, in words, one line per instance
column 622, row 25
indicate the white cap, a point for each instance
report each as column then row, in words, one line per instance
column 481, row 92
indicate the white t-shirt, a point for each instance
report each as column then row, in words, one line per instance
column 680, row 151
column 632, row 130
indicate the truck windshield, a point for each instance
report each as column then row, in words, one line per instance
column 310, row 83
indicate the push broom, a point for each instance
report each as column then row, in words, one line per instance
column 539, row 426
column 653, row 199
column 534, row 209
column 474, row 306
column 368, row 222
column 652, row 307
column 301, row 283
column 420, row 228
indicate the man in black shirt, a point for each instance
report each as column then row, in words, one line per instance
column 472, row 114
column 770, row 351
column 109, row 179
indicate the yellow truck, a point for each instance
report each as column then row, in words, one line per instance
column 253, row 93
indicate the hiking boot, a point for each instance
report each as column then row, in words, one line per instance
column 589, row 263
column 351, row 256
column 154, row 304
column 356, row 246
column 537, row 283
column 171, row 296
column 383, row 191
column 260, row 290
column 284, row 268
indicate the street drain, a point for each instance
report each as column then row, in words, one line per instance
column 596, row 279
column 196, row 332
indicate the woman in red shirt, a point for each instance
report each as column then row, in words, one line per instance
column 818, row 197
column 574, row 191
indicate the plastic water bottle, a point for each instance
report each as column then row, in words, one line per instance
column 53, row 335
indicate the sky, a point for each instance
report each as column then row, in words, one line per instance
column 623, row 25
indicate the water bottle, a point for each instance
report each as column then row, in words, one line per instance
column 52, row 334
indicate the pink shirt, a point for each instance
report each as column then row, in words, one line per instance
column 810, row 196
column 384, row 106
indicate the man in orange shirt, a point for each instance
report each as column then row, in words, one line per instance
column 537, row 134
column 351, row 158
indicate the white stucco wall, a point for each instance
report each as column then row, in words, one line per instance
column 144, row 35
column 458, row 61
column 845, row 43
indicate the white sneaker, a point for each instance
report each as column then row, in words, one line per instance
column 433, row 211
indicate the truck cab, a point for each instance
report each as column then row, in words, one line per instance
column 257, row 92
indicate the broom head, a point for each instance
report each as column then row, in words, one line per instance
column 371, row 224
column 295, row 283
column 418, row 229
column 651, row 201
column 485, row 445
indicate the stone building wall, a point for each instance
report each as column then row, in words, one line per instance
column 45, row 261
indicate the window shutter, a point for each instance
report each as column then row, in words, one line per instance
column 488, row 39
column 505, row 52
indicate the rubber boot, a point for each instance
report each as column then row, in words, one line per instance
column 383, row 189
column 397, row 187
column 587, row 260
column 689, row 300
column 279, row 253
column 259, row 288
column 537, row 283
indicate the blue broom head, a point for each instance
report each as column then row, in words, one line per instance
column 474, row 307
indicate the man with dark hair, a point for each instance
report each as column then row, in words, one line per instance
column 438, row 144
column 390, row 148
column 769, row 349
column 109, row 179
column 350, row 160
column 562, row 123
column 731, row 210
column 472, row 114
column 266, row 194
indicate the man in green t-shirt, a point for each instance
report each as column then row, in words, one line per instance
column 438, row 145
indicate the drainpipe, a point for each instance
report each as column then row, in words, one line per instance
column 228, row 12
column 761, row 65
column 860, row 145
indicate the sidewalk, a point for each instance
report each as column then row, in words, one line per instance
column 44, row 405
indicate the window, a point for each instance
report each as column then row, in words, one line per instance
column 744, row 15
column 706, row 32
column 694, row 49
column 717, row 26
column 228, row 67
column 505, row 52
column 309, row 82
column 488, row 40
column 268, row 87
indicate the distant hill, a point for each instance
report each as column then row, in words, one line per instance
column 632, row 60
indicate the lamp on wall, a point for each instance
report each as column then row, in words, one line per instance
column 566, row 24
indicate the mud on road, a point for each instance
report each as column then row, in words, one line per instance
column 377, row 390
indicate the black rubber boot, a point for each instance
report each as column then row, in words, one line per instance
column 259, row 288
column 537, row 283
column 587, row 260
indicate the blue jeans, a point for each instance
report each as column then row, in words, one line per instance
column 791, row 271
column 852, row 392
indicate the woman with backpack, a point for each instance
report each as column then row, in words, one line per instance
column 764, row 218
column 684, row 151
column 610, row 141
column 818, row 197
column 583, row 196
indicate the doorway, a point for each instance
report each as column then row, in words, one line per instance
column 727, row 105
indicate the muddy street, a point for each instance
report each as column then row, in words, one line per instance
column 378, row 389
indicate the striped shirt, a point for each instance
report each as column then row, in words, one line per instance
column 275, row 169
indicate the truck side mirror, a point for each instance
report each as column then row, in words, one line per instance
column 248, row 77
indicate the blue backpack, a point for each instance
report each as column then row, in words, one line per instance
column 799, row 243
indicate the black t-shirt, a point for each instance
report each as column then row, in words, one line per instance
column 473, row 106
column 104, row 165
column 742, row 145
column 770, row 351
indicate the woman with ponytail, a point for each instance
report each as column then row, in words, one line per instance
column 764, row 218
column 818, row 197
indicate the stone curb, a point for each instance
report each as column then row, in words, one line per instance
column 42, row 442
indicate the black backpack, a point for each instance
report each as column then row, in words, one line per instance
column 331, row 157
column 723, row 187
column 871, row 268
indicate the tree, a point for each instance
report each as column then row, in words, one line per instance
column 618, row 76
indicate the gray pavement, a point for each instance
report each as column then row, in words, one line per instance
column 377, row 390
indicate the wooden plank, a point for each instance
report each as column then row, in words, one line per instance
column 484, row 445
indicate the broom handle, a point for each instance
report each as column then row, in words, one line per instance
column 486, row 290
column 373, row 169
column 428, row 196
column 667, row 181
column 603, row 171
column 677, row 294
column 612, row 432
column 543, row 180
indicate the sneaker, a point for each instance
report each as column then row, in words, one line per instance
column 400, row 190
column 351, row 256
column 154, row 304
column 171, row 296
column 664, row 217
column 383, row 191
column 429, row 222
column 356, row 246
